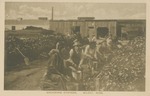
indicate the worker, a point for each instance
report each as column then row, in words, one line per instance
column 90, row 55
column 73, row 62
column 55, row 70
column 94, row 38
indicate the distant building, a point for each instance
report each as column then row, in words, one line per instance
column 19, row 19
column 43, row 18
column 86, row 18
column 100, row 28
column 22, row 24
column 86, row 26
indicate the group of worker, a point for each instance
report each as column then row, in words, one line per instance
column 60, row 67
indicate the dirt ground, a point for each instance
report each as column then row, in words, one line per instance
column 28, row 78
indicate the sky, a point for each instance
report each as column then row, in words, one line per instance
column 70, row 10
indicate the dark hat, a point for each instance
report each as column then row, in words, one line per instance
column 92, row 43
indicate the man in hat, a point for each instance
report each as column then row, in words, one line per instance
column 74, row 61
column 94, row 38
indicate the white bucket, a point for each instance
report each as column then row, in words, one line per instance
column 77, row 75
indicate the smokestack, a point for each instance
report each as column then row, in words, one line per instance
column 52, row 13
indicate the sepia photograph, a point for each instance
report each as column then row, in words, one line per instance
column 75, row 46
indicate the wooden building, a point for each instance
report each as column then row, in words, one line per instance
column 100, row 28
column 85, row 27
column 131, row 28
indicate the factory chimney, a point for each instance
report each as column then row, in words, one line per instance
column 52, row 13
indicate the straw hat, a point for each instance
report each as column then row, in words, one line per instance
column 76, row 40
column 77, row 44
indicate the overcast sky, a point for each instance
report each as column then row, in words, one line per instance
column 33, row 10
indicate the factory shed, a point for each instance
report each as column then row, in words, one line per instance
column 85, row 27
column 100, row 28
column 128, row 29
